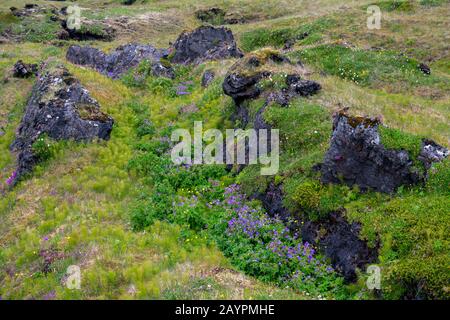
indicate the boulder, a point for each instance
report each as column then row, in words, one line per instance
column 120, row 60
column 24, row 70
column 61, row 108
column 357, row 157
column 242, row 87
column 205, row 43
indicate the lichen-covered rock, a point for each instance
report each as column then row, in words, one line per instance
column 61, row 108
column 431, row 152
column 120, row 60
column 339, row 240
column 357, row 157
column 207, row 78
column 24, row 70
column 205, row 43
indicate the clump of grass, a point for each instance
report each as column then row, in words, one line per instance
column 277, row 38
column 432, row 3
column 36, row 29
column 396, row 5
column 396, row 139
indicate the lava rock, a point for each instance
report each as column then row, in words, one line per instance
column 340, row 242
column 128, row 2
column 424, row 68
column 295, row 87
column 356, row 157
column 61, row 108
column 241, row 87
column 24, row 70
column 120, row 60
column 205, row 43
column 207, row 78
column 431, row 152
column 272, row 202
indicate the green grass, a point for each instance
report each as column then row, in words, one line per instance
column 107, row 206
column 369, row 68
column 396, row 5
column 306, row 33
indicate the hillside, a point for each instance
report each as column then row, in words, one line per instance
column 363, row 178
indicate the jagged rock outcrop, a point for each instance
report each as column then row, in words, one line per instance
column 120, row 60
column 61, row 108
column 205, row 43
column 339, row 241
column 357, row 157
column 24, row 70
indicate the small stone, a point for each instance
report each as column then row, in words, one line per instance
column 24, row 70
column 207, row 78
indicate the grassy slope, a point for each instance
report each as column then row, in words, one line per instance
column 81, row 199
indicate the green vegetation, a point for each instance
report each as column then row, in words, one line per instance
column 277, row 38
column 396, row 5
column 141, row 227
column 368, row 68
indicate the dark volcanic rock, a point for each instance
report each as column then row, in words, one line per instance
column 61, row 108
column 272, row 201
column 296, row 87
column 24, row 70
column 431, row 152
column 120, row 60
column 340, row 242
column 128, row 2
column 424, row 68
column 241, row 87
column 302, row 87
column 356, row 156
column 205, row 43
column 207, row 78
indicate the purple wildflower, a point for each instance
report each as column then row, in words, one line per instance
column 11, row 178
